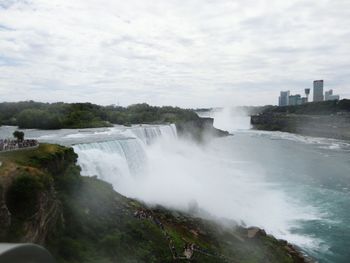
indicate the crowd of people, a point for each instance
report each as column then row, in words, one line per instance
column 10, row 145
column 188, row 249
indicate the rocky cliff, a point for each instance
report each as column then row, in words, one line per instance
column 200, row 129
column 335, row 126
column 82, row 219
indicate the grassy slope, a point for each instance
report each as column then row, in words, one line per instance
column 96, row 224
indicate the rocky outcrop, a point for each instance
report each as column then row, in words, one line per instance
column 45, row 220
column 256, row 233
column 30, row 209
column 5, row 215
column 253, row 232
column 5, row 220
column 200, row 129
column 296, row 254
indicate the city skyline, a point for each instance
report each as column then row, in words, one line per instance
column 318, row 93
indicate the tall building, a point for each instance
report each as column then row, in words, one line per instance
column 329, row 95
column 304, row 100
column 283, row 99
column 295, row 100
column 318, row 90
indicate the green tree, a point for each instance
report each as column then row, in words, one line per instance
column 19, row 135
column 22, row 197
column 35, row 118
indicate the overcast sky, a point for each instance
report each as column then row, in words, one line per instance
column 190, row 53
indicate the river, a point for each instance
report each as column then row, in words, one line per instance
column 295, row 187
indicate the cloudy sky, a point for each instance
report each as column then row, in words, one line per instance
column 190, row 53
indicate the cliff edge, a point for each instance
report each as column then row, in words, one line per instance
column 45, row 200
column 199, row 129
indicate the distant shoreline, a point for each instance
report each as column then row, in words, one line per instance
column 327, row 126
column 328, row 119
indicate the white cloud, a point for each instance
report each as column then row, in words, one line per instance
column 186, row 53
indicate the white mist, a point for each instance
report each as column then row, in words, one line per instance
column 175, row 173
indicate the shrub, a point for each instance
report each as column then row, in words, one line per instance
column 18, row 135
column 22, row 197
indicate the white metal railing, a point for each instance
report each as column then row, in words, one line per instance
column 13, row 145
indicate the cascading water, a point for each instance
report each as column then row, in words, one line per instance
column 146, row 135
column 149, row 133
column 152, row 164
column 296, row 188
column 117, row 158
column 121, row 158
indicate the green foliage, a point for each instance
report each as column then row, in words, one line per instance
column 18, row 135
column 22, row 197
column 71, row 250
column 96, row 224
column 35, row 118
column 70, row 180
column 344, row 105
column 313, row 108
column 86, row 115
column 112, row 242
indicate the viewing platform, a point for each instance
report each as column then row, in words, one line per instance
column 7, row 145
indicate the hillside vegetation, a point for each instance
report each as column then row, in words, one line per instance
column 312, row 108
column 82, row 219
column 330, row 119
column 30, row 114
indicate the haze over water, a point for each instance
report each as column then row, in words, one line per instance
column 295, row 187
column 312, row 173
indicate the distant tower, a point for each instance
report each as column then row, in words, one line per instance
column 283, row 99
column 318, row 90
column 307, row 93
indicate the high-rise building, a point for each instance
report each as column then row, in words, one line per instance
column 283, row 99
column 329, row 95
column 318, row 90
column 304, row 100
column 334, row 97
column 295, row 100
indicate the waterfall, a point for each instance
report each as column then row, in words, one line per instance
column 150, row 163
column 149, row 133
column 118, row 158
column 112, row 160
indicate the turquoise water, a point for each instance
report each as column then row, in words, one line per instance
column 313, row 172
column 296, row 187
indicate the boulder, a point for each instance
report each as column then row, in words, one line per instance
column 253, row 232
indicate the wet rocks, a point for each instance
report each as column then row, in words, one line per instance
column 253, row 232
column 5, row 220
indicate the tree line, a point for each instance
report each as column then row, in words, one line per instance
column 31, row 114
column 313, row 108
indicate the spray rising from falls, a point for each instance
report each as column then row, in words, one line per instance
column 229, row 119
column 124, row 157
column 153, row 165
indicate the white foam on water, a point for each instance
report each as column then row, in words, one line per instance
column 159, row 168
column 322, row 143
